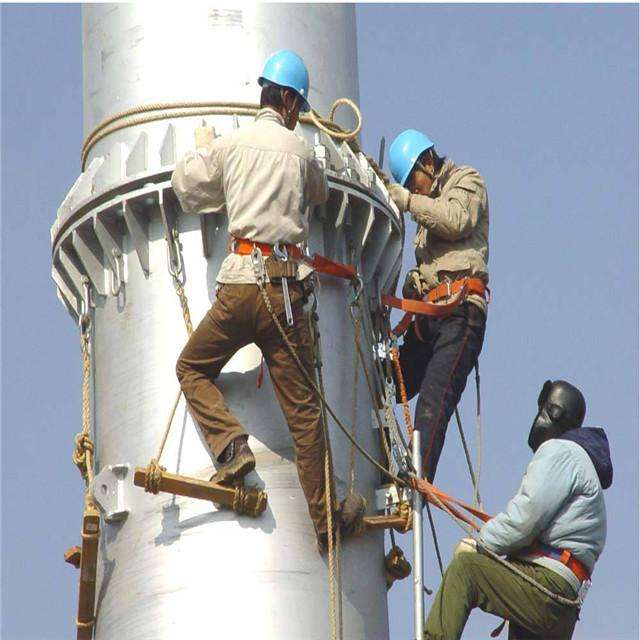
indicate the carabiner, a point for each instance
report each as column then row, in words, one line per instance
column 176, row 269
column 116, row 276
column 359, row 288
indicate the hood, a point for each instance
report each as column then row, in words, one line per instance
column 594, row 441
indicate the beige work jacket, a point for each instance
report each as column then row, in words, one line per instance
column 453, row 229
column 265, row 177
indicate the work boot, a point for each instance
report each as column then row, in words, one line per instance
column 349, row 518
column 352, row 512
column 235, row 462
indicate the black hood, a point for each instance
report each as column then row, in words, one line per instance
column 594, row 441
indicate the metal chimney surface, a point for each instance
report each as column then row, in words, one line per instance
column 172, row 567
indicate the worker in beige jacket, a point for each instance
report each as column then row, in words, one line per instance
column 450, row 206
column 265, row 177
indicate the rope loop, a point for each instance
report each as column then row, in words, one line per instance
column 331, row 127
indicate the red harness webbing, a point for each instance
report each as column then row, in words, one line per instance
column 431, row 492
column 321, row 264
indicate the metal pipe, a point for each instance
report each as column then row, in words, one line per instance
column 418, row 578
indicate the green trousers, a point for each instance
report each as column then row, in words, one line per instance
column 474, row 580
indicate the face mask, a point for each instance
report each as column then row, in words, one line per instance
column 561, row 407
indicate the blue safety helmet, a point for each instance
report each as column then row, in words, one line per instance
column 286, row 68
column 405, row 151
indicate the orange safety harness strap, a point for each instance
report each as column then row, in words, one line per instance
column 336, row 269
column 322, row 264
column 436, row 496
column 245, row 247
column 428, row 307
column 561, row 555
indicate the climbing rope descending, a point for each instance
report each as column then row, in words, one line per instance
column 154, row 469
column 478, row 437
column 84, row 447
column 476, row 492
column 334, row 569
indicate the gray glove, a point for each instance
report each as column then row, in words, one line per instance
column 400, row 196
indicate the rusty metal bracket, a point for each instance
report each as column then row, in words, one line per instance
column 87, row 563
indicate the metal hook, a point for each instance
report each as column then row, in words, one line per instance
column 280, row 251
column 176, row 269
column 116, row 277
column 84, row 320
column 359, row 288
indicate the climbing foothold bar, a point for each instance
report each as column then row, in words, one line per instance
column 249, row 501
column 400, row 520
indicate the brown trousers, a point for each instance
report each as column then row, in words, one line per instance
column 239, row 317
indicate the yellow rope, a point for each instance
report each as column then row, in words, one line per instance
column 143, row 114
column 84, row 447
column 154, row 469
column 333, row 553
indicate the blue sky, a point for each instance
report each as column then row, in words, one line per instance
column 541, row 99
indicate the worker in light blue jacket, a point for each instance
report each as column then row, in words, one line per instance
column 553, row 530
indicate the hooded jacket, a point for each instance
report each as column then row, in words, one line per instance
column 559, row 503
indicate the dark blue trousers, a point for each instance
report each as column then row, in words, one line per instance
column 436, row 368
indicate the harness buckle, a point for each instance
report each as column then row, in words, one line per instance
column 258, row 264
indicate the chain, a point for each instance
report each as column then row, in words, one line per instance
column 154, row 469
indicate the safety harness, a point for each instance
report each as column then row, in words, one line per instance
column 430, row 305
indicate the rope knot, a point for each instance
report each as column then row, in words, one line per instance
column 83, row 445
column 153, row 476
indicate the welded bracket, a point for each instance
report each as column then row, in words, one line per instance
column 388, row 496
column 110, row 490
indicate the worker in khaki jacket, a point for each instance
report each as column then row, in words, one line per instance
column 449, row 204
column 265, row 177
column 553, row 531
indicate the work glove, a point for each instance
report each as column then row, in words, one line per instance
column 466, row 545
column 204, row 136
column 400, row 196
column 412, row 288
